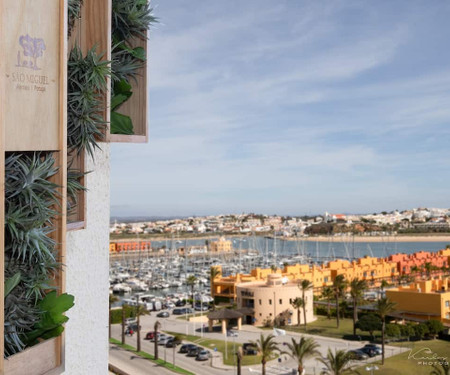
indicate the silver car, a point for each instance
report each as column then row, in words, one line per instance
column 203, row 355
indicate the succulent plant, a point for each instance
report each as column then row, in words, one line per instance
column 74, row 10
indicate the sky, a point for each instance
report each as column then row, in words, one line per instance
column 291, row 107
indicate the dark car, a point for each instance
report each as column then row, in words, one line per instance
column 178, row 311
column 180, row 303
column 369, row 351
column 134, row 327
column 203, row 307
column 194, row 352
column 375, row 348
column 171, row 343
column 163, row 314
column 249, row 349
column 358, row 354
column 186, row 347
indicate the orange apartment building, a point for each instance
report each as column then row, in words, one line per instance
column 372, row 269
column 124, row 246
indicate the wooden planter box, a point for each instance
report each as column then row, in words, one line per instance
column 33, row 117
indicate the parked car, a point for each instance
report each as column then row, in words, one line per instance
column 180, row 303
column 170, row 343
column 129, row 321
column 249, row 349
column 203, row 355
column 164, row 340
column 375, row 347
column 178, row 311
column 149, row 335
column 186, row 347
column 199, row 307
column 163, row 314
column 193, row 352
column 231, row 333
column 160, row 335
column 369, row 351
column 133, row 327
column 358, row 354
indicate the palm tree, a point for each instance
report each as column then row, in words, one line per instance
column 156, row 327
column 274, row 268
column 300, row 351
column 214, row 272
column 140, row 310
column 112, row 299
column 297, row 304
column 441, row 368
column 328, row 294
column 337, row 363
column 266, row 346
column 123, row 323
column 428, row 268
column 383, row 308
column 339, row 285
column 357, row 289
column 305, row 285
column 191, row 280
column 383, row 285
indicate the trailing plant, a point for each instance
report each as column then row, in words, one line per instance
column 74, row 10
column 31, row 203
column 74, row 187
column 87, row 85
column 130, row 19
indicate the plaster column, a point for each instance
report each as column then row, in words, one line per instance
column 224, row 326
column 239, row 323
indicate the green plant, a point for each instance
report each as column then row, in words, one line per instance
column 300, row 351
column 74, row 187
column 51, row 318
column 357, row 289
column 87, row 85
column 266, row 346
column 74, row 9
column 337, row 363
column 369, row 323
column 130, row 19
column 383, row 308
column 31, row 203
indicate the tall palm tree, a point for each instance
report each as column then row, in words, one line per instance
column 305, row 285
column 328, row 294
column 140, row 310
column 357, row 289
column 190, row 281
column 214, row 272
column 112, row 299
column 383, row 308
column 383, row 285
column 156, row 327
column 297, row 304
column 300, row 351
column 337, row 363
column 273, row 268
column 339, row 286
column 266, row 346
column 428, row 268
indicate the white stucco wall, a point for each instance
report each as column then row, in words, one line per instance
column 87, row 272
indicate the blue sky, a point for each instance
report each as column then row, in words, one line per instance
column 292, row 107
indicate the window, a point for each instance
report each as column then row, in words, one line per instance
column 281, row 301
column 326, row 279
column 260, row 302
column 393, row 270
column 270, row 302
column 447, row 303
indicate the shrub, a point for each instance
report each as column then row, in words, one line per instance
column 434, row 327
column 392, row 330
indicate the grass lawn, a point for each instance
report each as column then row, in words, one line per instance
column 327, row 327
column 400, row 364
column 220, row 345
column 150, row 357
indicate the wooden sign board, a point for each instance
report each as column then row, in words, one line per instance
column 31, row 70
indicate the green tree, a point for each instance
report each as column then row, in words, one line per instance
column 112, row 299
column 420, row 330
column 214, row 272
column 302, row 350
column 190, row 281
column 339, row 286
column 434, row 327
column 383, row 285
column 328, row 294
column 266, row 346
column 273, row 268
column 337, row 363
column 357, row 289
column 156, row 327
column 428, row 268
column 305, row 285
column 407, row 330
column 369, row 323
column 384, row 307
column 392, row 330
column 297, row 304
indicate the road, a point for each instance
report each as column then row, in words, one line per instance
column 249, row 333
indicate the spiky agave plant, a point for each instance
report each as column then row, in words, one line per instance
column 74, row 187
column 131, row 18
column 74, row 10
column 30, row 201
column 87, row 84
